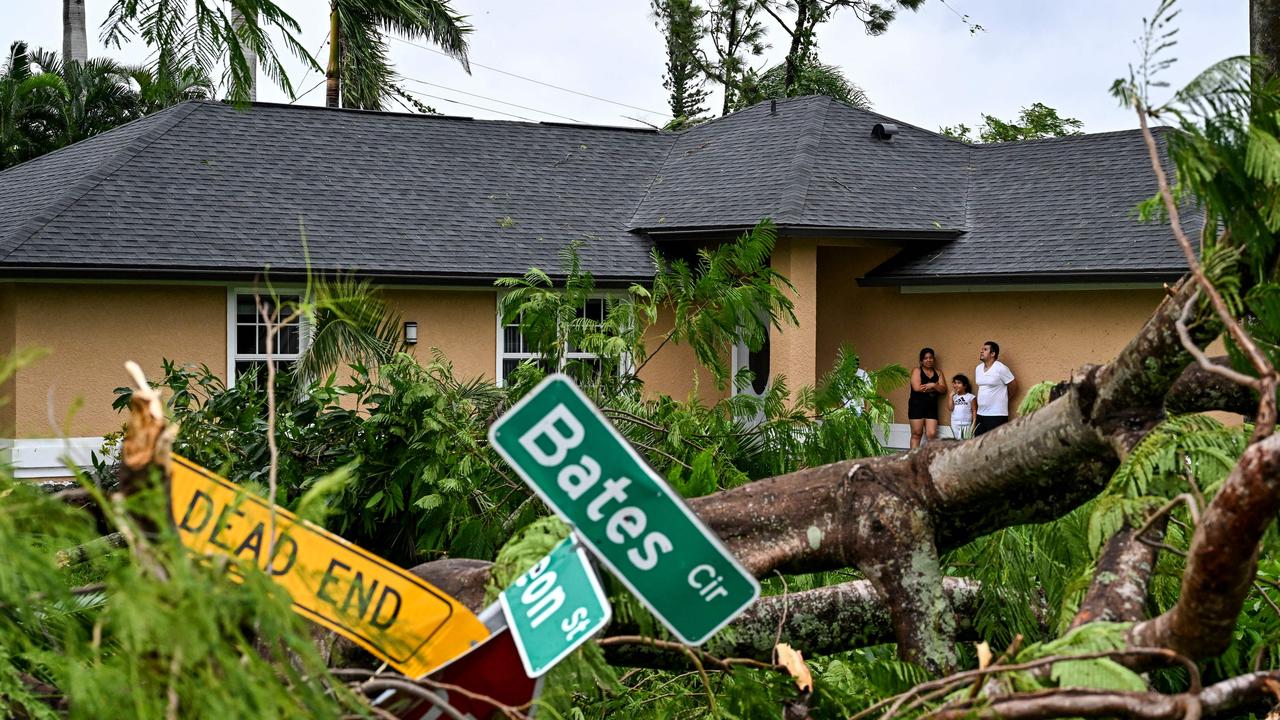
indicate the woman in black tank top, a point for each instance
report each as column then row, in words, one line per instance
column 927, row 385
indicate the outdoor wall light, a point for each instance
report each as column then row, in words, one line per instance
column 410, row 333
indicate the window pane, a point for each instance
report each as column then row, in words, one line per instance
column 509, row 365
column 594, row 310
column 246, row 312
column 512, row 340
column 583, row 371
column 248, row 371
column 288, row 339
column 244, row 339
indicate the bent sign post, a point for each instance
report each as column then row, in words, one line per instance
column 555, row 607
column 388, row 611
column 628, row 515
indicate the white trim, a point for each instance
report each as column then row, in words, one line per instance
column 304, row 335
column 31, row 458
column 1030, row 287
column 566, row 356
column 226, row 283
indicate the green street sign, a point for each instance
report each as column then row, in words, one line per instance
column 554, row 607
column 623, row 511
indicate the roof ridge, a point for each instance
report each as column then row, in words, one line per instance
column 439, row 117
column 107, row 167
column 801, row 170
column 657, row 173
column 1068, row 138
column 904, row 123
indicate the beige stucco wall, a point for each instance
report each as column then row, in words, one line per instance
column 89, row 331
column 7, row 415
column 792, row 349
column 672, row 369
column 461, row 323
column 1043, row 334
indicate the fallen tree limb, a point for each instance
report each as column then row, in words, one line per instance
column 1198, row 390
column 1223, row 558
column 1239, row 695
column 821, row 621
column 890, row 517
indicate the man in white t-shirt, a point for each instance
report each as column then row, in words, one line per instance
column 993, row 380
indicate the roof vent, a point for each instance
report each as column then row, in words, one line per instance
column 884, row 131
column 773, row 107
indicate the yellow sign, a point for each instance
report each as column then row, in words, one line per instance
column 388, row 611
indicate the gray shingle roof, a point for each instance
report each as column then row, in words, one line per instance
column 1062, row 206
column 205, row 189
column 810, row 163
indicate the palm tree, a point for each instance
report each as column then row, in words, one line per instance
column 349, row 322
column 157, row 92
column 28, row 127
column 203, row 35
column 91, row 97
column 359, row 73
column 75, row 39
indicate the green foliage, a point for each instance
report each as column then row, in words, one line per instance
column 812, row 78
column 205, row 35
column 1183, row 446
column 349, row 322
column 737, row 34
column 1037, row 397
column 46, row 103
column 1035, row 122
column 1100, row 673
column 366, row 75
column 681, row 22
column 166, row 635
column 730, row 295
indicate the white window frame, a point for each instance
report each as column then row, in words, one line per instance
column 565, row 357
column 233, row 357
column 739, row 359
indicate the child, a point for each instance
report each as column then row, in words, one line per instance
column 962, row 416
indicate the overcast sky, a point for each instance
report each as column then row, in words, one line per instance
column 926, row 70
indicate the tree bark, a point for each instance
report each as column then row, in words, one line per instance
column 333, row 72
column 75, row 40
column 1264, row 34
column 1198, row 390
column 822, row 621
column 1118, row 591
column 250, row 57
column 798, row 40
column 1223, row 559
column 890, row 517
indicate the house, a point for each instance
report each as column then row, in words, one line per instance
column 142, row 242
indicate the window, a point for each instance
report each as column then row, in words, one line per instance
column 513, row 349
column 756, row 361
column 247, row 335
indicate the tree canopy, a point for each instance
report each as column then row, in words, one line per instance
column 1034, row 123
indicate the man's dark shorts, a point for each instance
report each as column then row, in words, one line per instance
column 987, row 423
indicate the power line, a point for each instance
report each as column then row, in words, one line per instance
column 532, row 80
column 482, row 97
column 459, row 102
column 323, row 75
column 313, row 87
